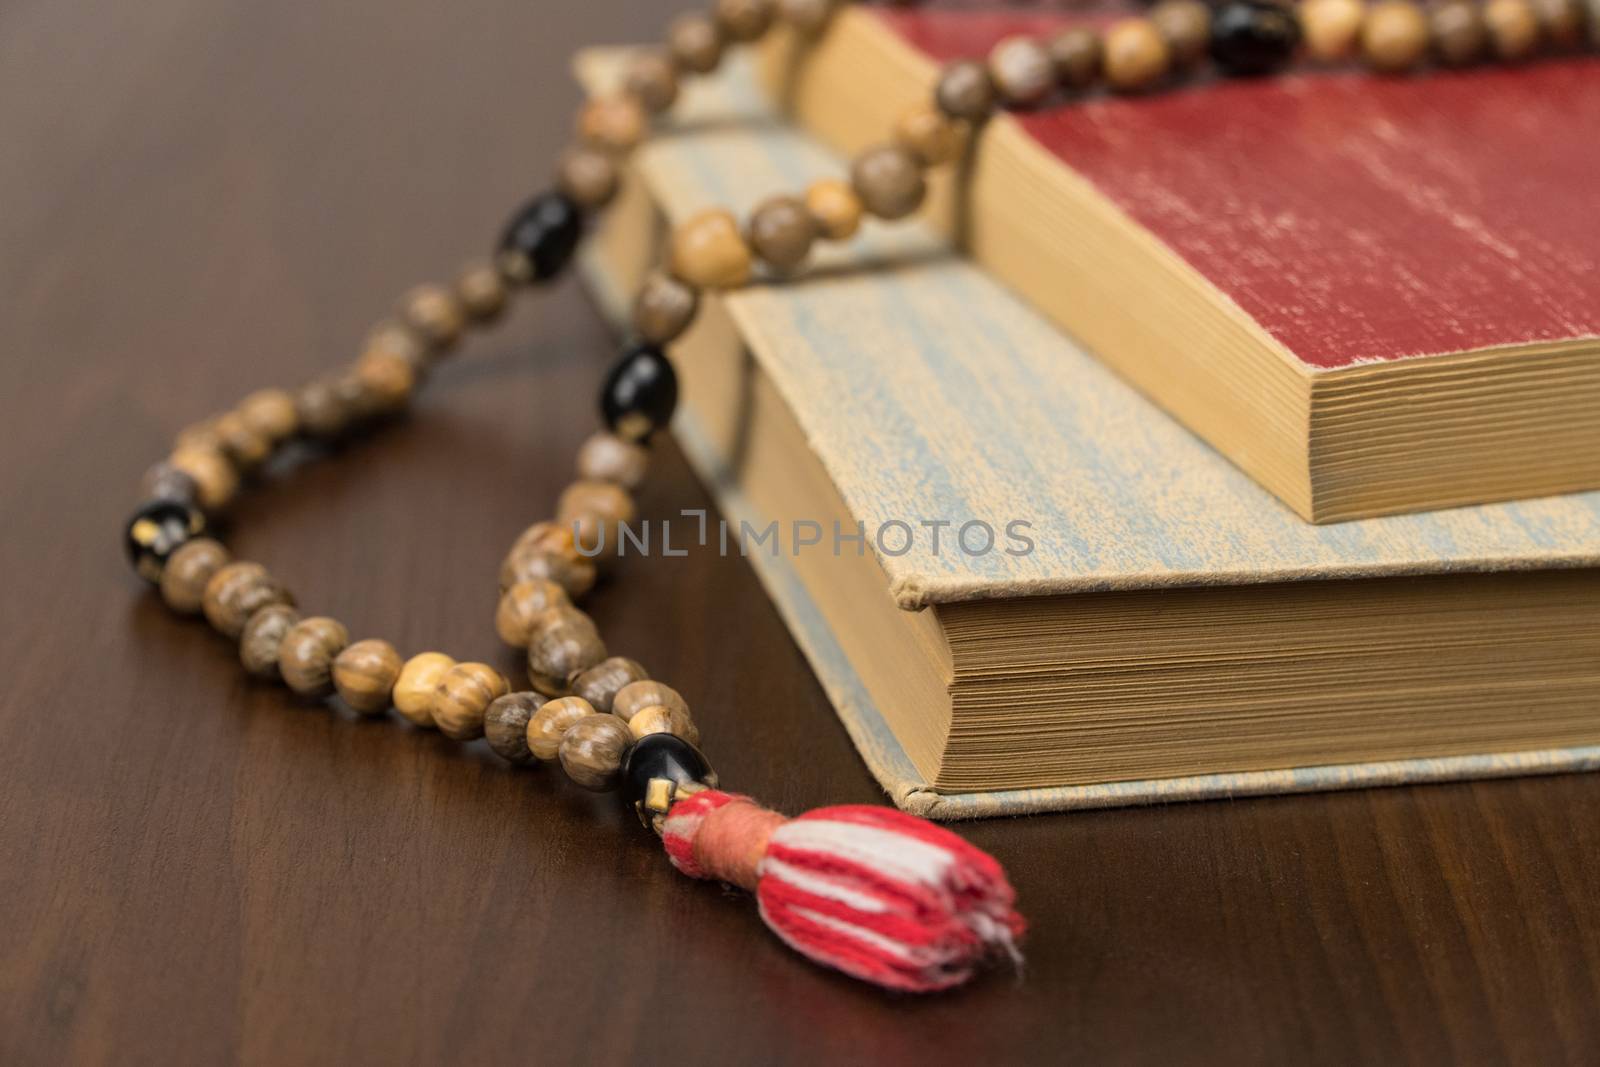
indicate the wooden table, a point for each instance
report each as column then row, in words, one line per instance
column 198, row 198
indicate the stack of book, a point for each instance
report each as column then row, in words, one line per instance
column 1023, row 585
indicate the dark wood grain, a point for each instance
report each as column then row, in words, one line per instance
column 200, row 197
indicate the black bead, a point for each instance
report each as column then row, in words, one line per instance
column 156, row 531
column 640, row 393
column 662, row 756
column 1250, row 37
column 541, row 237
column 166, row 482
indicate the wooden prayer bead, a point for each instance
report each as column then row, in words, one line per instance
column 262, row 637
column 889, row 181
column 1561, row 22
column 708, row 252
column 414, row 688
column 659, row 719
column 807, row 16
column 395, row 338
column 387, row 379
column 505, row 725
column 965, row 91
column 270, row 413
column 551, row 721
column 307, row 652
column 188, row 571
column 1513, row 28
column 548, row 536
column 463, row 694
column 482, row 292
column 636, row 696
column 743, row 20
column 1021, row 71
column 521, row 605
column 215, row 478
column 651, row 79
column 1394, row 37
column 695, row 42
column 435, row 314
column 564, row 642
column 664, row 308
column 605, row 457
column 589, row 176
column 1332, row 28
column 592, row 751
column 529, row 564
column 364, row 675
column 931, row 135
column 600, row 684
column 835, row 207
column 201, row 435
column 238, row 591
column 1079, row 57
column 780, row 232
column 594, row 511
column 1186, row 27
column 1459, row 36
column 614, row 123
column 1136, row 55
column 246, row 448
column 322, row 411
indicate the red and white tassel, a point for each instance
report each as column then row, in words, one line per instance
column 881, row 895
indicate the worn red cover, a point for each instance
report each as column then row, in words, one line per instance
column 1357, row 218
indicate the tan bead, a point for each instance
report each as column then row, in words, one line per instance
column 521, row 605
column 188, row 570
column 652, row 80
column 386, row 379
column 1561, row 22
column 695, row 42
column 1136, row 55
column 364, row 675
column 808, row 16
column 931, row 135
column 658, row 719
column 242, row 445
column 965, row 91
column 1079, row 56
column 563, row 644
column 394, row 338
column 1459, row 36
column 415, row 686
column 595, row 511
column 708, row 252
column 614, row 123
column 199, row 435
column 270, row 413
column 461, row 698
column 780, row 232
column 1332, row 28
column 435, row 313
column 216, row 479
column 1513, row 28
column 600, row 684
column 1394, row 37
column 664, row 308
column 307, row 652
column 238, row 591
column 505, row 725
column 744, row 20
column 589, row 176
column 527, row 563
column 482, row 292
column 323, row 410
column 263, row 636
column 605, row 457
column 551, row 721
column 1021, row 70
column 835, row 207
column 889, row 181
column 1186, row 27
column 592, row 750
column 636, row 696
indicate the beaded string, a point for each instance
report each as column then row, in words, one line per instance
column 878, row 894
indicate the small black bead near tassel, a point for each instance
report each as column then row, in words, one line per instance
column 540, row 238
column 672, row 764
column 157, row 530
column 1253, row 37
column 640, row 393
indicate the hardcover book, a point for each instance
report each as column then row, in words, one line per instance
column 1025, row 588
column 1374, row 295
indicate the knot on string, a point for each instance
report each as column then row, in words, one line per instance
column 881, row 895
